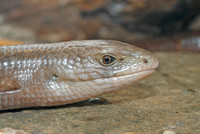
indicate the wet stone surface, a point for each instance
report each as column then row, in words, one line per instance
column 167, row 100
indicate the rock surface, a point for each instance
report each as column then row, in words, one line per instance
column 12, row 131
column 169, row 100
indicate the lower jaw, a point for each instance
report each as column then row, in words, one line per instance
column 144, row 73
column 130, row 79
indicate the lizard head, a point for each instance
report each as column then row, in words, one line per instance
column 97, row 66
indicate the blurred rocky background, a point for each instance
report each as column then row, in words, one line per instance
column 130, row 21
column 166, row 103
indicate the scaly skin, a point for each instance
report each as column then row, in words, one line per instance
column 62, row 73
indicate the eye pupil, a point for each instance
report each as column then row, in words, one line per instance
column 107, row 59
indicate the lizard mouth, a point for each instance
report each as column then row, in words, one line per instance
column 144, row 73
column 137, row 73
column 141, row 74
column 129, row 79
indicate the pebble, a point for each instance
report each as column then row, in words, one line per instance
column 169, row 132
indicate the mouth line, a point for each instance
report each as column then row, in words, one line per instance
column 138, row 76
column 139, row 72
column 148, row 71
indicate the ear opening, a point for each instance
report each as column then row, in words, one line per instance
column 54, row 76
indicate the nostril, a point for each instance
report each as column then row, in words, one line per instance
column 145, row 60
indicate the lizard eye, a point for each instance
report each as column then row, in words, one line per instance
column 108, row 59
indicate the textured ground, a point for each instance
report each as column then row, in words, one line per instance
column 168, row 100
